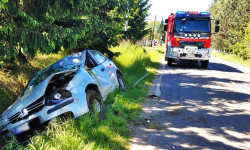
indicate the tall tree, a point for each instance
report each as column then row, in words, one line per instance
column 160, row 31
column 29, row 27
column 150, row 25
column 137, row 20
column 234, row 17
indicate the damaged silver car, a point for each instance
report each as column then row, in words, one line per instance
column 74, row 84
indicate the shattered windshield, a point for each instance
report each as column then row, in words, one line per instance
column 192, row 25
column 45, row 73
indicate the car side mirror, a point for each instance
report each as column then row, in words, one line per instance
column 166, row 20
column 217, row 22
column 217, row 29
column 165, row 27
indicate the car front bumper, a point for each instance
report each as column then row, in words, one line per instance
column 47, row 113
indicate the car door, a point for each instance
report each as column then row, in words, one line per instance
column 109, row 66
column 100, row 73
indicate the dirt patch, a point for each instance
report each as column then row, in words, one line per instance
column 149, row 123
column 195, row 119
column 155, row 125
column 175, row 112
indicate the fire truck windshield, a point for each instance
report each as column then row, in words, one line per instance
column 192, row 25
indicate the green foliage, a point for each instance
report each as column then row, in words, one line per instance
column 160, row 30
column 150, row 25
column 137, row 20
column 234, row 17
column 237, row 48
column 45, row 26
column 245, row 51
column 232, row 58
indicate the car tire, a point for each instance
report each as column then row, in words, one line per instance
column 92, row 97
column 204, row 64
column 170, row 61
column 122, row 85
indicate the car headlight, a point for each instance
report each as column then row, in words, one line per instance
column 61, row 96
column 3, row 123
column 57, row 96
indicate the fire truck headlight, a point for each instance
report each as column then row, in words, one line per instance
column 206, row 52
column 174, row 51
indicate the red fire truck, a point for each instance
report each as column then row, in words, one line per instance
column 188, row 37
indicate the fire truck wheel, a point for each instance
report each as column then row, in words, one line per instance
column 204, row 64
column 170, row 61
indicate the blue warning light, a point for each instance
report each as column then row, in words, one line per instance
column 204, row 13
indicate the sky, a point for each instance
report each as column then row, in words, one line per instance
column 163, row 8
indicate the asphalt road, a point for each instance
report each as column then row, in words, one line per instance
column 197, row 109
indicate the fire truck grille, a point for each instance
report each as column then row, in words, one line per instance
column 182, row 44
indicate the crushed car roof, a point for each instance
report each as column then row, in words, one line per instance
column 76, row 59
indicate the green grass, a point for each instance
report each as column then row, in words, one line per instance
column 122, row 107
column 232, row 58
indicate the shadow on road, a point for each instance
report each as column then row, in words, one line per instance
column 191, row 65
column 202, row 112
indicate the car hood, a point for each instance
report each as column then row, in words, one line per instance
column 36, row 93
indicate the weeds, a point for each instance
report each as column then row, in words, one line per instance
column 232, row 58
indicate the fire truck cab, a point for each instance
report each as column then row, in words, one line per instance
column 188, row 37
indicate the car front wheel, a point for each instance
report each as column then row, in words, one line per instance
column 95, row 103
column 122, row 85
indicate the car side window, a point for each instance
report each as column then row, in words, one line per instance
column 97, row 56
column 102, row 56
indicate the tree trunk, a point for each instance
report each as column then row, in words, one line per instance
column 21, row 57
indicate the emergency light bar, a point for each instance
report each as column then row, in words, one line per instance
column 192, row 13
column 181, row 12
column 204, row 13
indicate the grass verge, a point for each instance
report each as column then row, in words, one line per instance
column 232, row 58
column 122, row 107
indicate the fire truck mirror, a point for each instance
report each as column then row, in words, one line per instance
column 165, row 27
column 217, row 22
column 217, row 29
column 166, row 20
